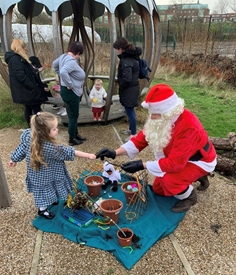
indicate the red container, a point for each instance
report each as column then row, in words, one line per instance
column 131, row 197
column 94, row 184
column 125, row 241
column 111, row 208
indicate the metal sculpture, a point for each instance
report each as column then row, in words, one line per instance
column 91, row 9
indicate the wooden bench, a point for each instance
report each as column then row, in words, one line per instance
column 49, row 79
column 59, row 101
column 103, row 77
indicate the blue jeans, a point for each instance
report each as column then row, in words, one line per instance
column 130, row 112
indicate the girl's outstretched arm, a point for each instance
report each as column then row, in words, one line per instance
column 81, row 154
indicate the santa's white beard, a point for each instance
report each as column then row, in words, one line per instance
column 158, row 133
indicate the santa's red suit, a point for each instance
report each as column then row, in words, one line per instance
column 188, row 156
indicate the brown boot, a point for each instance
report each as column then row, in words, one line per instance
column 204, row 183
column 184, row 205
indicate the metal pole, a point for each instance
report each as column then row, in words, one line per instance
column 208, row 34
column 167, row 35
column 5, row 199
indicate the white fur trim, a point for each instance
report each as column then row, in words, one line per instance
column 131, row 150
column 154, row 168
column 145, row 104
column 159, row 155
column 163, row 106
column 186, row 194
column 206, row 166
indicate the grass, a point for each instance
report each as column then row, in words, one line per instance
column 212, row 101
column 11, row 115
column 212, row 104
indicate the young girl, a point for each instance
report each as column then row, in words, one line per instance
column 47, row 176
column 98, row 96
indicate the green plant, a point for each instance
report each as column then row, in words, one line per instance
column 110, row 271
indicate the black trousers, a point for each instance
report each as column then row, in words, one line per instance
column 31, row 110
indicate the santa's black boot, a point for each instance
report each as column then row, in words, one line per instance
column 105, row 184
column 185, row 204
column 204, row 183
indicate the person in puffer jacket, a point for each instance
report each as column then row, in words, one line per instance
column 25, row 83
column 128, row 72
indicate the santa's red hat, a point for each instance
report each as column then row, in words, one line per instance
column 160, row 99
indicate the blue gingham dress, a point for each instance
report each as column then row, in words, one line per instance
column 51, row 182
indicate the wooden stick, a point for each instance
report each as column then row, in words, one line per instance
column 118, row 227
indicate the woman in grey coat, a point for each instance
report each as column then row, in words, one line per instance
column 72, row 80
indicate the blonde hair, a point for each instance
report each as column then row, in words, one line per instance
column 98, row 81
column 41, row 124
column 18, row 46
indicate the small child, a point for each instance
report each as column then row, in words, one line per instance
column 47, row 176
column 98, row 96
column 56, row 88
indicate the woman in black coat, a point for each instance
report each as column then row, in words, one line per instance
column 26, row 86
column 128, row 72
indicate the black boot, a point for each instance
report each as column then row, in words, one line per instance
column 184, row 205
column 75, row 141
column 204, row 183
column 78, row 137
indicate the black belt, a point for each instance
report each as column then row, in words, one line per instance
column 198, row 155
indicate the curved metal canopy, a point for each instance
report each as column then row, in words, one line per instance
column 117, row 10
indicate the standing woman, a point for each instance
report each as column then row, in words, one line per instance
column 128, row 72
column 71, row 79
column 25, row 84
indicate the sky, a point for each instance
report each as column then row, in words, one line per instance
column 211, row 3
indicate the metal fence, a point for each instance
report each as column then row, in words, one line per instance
column 199, row 36
column 188, row 36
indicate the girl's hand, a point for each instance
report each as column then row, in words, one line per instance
column 12, row 163
column 91, row 156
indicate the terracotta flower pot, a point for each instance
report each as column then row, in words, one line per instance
column 125, row 241
column 131, row 196
column 111, row 208
column 94, row 184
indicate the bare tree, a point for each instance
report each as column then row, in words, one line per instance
column 221, row 7
column 232, row 5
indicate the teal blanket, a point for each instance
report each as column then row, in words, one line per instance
column 156, row 222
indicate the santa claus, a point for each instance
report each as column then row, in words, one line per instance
column 183, row 153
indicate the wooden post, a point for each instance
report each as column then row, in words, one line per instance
column 5, row 199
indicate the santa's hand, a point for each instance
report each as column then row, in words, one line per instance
column 133, row 166
column 105, row 152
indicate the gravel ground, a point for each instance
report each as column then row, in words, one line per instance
column 203, row 243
